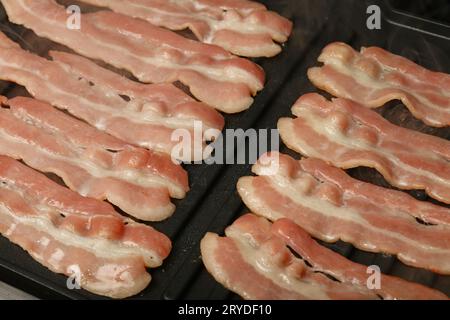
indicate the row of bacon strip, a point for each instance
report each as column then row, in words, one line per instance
column 118, row 146
column 144, row 115
column 138, row 181
column 255, row 261
column 150, row 53
column 80, row 237
column 314, row 196
column 310, row 197
column 245, row 28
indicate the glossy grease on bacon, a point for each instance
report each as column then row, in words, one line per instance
column 143, row 115
column 245, row 28
column 347, row 135
column 254, row 261
column 89, row 161
column 374, row 76
column 150, row 53
column 332, row 206
column 76, row 236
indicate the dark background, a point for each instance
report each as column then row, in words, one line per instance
column 438, row 10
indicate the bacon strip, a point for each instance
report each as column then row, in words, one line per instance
column 253, row 261
column 144, row 115
column 77, row 236
column 332, row 206
column 90, row 162
column 152, row 54
column 374, row 76
column 348, row 135
column 329, row 262
column 242, row 27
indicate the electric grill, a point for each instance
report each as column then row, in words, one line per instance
column 213, row 203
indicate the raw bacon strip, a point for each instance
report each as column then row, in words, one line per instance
column 374, row 76
column 242, row 27
column 152, row 54
column 89, row 161
column 178, row 108
column 332, row 206
column 327, row 261
column 255, row 263
column 253, row 260
column 348, row 135
column 144, row 115
column 77, row 236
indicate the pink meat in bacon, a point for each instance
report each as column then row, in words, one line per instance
column 256, row 264
column 329, row 262
column 245, row 28
column 348, row 135
column 152, row 54
column 254, row 261
column 76, row 236
column 332, row 206
column 143, row 115
column 374, row 76
column 89, row 161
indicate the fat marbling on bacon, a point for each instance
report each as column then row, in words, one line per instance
column 89, row 161
column 84, row 238
column 347, row 135
column 254, row 261
column 140, row 114
column 331, row 263
column 374, row 76
column 152, row 54
column 245, row 28
column 332, row 206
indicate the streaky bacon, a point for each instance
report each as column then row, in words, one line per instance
column 76, row 236
column 245, row 28
column 255, row 263
column 152, row 54
column 348, row 135
column 374, row 76
column 332, row 206
column 329, row 262
column 143, row 115
column 89, row 161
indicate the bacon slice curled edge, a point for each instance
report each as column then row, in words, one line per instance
column 152, row 54
column 347, row 135
column 89, row 161
column 245, row 28
column 332, row 206
column 76, row 236
column 374, row 76
column 254, row 261
column 143, row 115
